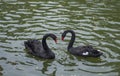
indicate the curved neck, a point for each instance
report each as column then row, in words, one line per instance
column 70, row 45
column 45, row 46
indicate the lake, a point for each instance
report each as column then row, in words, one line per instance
column 95, row 22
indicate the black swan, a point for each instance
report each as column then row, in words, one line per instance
column 36, row 48
column 86, row 51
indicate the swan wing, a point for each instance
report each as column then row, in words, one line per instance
column 81, row 50
column 34, row 46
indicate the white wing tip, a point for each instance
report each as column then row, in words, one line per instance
column 85, row 53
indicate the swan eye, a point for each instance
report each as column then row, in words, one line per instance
column 86, row 53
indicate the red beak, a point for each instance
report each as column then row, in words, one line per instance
column 62, row 38
column 56, row 40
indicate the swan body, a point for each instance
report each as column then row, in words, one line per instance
column 86, row 51
column 36, row 48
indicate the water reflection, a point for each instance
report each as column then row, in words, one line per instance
column 95, row 23
column 1, row 69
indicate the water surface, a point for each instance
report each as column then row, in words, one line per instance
column 96, row 22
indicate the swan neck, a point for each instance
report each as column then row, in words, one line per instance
column 45, row 46
column 71, row 40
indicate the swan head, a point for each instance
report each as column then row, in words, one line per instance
column 67, row 31
column 54, row 37
column 63, row 36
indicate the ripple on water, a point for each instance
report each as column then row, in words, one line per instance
column 94, row 22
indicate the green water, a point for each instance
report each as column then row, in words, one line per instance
column 96, row 22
